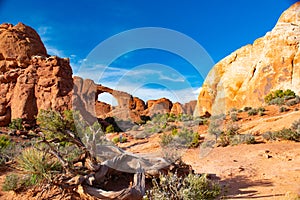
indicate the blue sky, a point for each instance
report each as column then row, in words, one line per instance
column 74, row 29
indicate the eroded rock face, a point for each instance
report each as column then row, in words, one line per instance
column 159, row 106
column 29, row 79
column 190, row 107
column 177, row 109
column 244, row 77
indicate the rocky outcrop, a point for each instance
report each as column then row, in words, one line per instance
column 159, row 106
column 248, row 74
column 177, row 109
column 29, row 79
column 190, row 107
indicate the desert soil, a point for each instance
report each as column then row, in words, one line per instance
column 257, row 171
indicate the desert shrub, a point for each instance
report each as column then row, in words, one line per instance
column 261, row 113
column 269, row 136
column 174, row 131
column 261, row 109
column 172, row 118
column 292, row 133
column 252, row 112
column 283, row 109
column 191, row 187
column 216, row 125
column 233, row 110
column 234, row 117
column 110, row 129
column 288, row 134
column 153, row 129
column 296, row 109
column 279, row 94
column 183, row 138
column 7, row 149
column 118, row 139
column 247, row 108
column 232, row 137
column 169, row 127
column 16, row 124
column 187, row 138
column 248, row 139
column 240, row 111
column 4, row 142
column 38, row 164
column 10, row 183
column 165, row 139
column 277, row 101
column 296, row 126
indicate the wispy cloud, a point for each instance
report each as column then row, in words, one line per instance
column 135, row 82
column 45, row 34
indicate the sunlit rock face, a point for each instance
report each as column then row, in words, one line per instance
column 30, row 80
column 244, row 77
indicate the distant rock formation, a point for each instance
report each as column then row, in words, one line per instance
column 129, row 108
column 30, row 80
column 244, row 77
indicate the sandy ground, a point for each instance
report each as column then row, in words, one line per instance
column 260, row 171
column 257, row 171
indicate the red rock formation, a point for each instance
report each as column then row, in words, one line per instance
column 29, row 80
column 190, row 107
column 159, row 106
column 177, row 109
column 248, row 74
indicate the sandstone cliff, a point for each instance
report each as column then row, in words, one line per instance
column 248, row 74
column 29, row 79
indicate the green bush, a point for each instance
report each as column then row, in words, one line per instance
column 16, row 124
column 292, row 134
column 39, row 164
column 252, row 112
column 7, row 149
column 110, row 129
column 296, row 126
column 261, row 109
column 247, row 108
column 283, row 109
column 234, row 117
column 174, row 131
column 165, row 139
column 191, row 187
column 277, row 101
column 279, row 94
column 117, row 139
column 4, row 142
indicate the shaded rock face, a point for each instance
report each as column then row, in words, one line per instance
column 29, row 79
column 85, row 99
column 190, row 107
column 248, row 74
